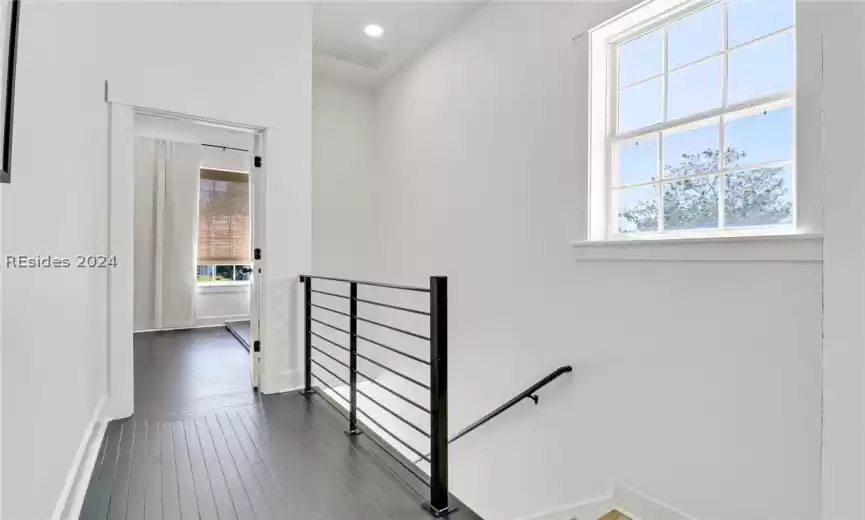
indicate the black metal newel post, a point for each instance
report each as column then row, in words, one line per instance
column 438, row 504
column 307, row 332
column 352, row 362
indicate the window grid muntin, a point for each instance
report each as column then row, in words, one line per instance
column 774, row 100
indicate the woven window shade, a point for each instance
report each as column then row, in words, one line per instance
column 223, row 218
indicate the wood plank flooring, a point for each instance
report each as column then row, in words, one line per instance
column 241, row 330
column 273, row 457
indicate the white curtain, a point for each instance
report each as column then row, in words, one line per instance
column 166, row 218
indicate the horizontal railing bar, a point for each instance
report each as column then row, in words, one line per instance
column 331, row 294
column 395, row 329
column 394, row 392
column 398, row 416
column 423, row 479
column 373, row 302
column 396, row 351
column 329, row 371
column 389, row 306
column 382, row 345
column 404, row 443
column 331, row 310
column 334, row 343
column 334, row 327
column 412, row 470
column 320, row 380
column 392, row 371
column 331, row 357
column 371, row 284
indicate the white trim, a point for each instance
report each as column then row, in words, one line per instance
column 590, row 509
column 121, row 280
column 78, row 478
column 774, row 101
column 167, row 114
column 219, row 321
column 789, row 247
column 635, row 504
column 120, row 373
column 288, row 381
column 222, row 287
column 640, row 505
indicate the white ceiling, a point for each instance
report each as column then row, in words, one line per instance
column 342, row 51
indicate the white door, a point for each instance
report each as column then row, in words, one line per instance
column 256, row 195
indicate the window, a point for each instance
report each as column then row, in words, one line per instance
column 693, row 119
column 223, row 273
column 223, row 227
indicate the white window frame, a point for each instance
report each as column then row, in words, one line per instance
column 604, row 41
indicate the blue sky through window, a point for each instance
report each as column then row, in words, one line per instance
column 695, row 89
column 696, row 36
column 750, row 19
column 689, row 141
column 638, row 160
column 764, row 137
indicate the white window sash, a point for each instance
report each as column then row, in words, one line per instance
column 603, row 118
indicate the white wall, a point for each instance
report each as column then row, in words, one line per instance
column 54, row 328
column 343, row 135
column 241, row 63
column 698, row 383
column 844, row 267
column 196, row 59
column 215, row 307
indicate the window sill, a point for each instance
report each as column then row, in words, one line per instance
column 783, row 247
column 222, row 287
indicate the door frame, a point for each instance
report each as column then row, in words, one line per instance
column 121, row 227
column 256, row 203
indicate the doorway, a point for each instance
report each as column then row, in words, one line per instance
column 183, row 213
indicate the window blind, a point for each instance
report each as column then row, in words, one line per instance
column 223, row 217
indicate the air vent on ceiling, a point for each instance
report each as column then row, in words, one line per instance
column 352, row 52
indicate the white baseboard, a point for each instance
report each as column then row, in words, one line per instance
column 202, row 322
column 210, row 321
column 591, row 509
column 217, row 322
column 635, row 504
column 283, row 382
column 644, row 506
column 72, row 497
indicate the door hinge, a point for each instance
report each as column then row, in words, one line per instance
column 256, row 346
column 258, row 161
column 256, row 254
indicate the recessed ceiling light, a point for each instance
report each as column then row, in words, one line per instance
column 373, row 30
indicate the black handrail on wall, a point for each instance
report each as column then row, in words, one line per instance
column 528, row 393
column 6, row 166
column 438, row 504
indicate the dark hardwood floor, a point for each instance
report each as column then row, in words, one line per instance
column 202, row 447
column 241, row 330
column 180, row 372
